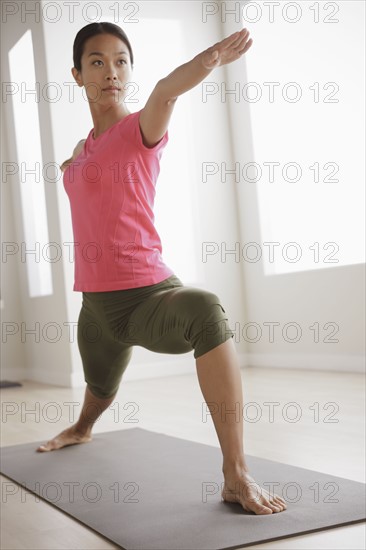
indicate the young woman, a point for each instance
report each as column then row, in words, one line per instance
column 130, row 296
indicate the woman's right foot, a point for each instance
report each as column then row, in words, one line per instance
column 242, row 488
column 70, row 436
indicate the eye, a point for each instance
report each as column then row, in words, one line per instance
column 99, row 61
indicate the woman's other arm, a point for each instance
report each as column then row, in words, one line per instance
column 76, row 153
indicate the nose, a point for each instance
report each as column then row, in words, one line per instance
column 111, row 72
column 111, row 76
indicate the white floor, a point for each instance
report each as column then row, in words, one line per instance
column 173, row 405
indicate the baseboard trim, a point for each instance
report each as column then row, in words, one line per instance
column 319, row 362
column 186, row 365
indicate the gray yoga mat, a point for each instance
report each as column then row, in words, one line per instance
column 146, row 490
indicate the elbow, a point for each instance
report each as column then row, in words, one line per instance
column 172, row 100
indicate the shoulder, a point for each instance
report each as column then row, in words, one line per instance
column 140, row 130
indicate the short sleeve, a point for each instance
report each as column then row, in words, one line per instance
column 137, row 137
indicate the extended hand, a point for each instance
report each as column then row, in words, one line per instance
column 228, row 50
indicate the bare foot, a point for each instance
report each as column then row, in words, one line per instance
column 68, row 437
column 243, row 489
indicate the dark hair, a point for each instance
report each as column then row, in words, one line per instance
column 93, row 29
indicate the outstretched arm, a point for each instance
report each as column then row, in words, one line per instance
column 155, row 116
column 190, row 74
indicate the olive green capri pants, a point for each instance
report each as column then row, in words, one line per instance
column 165, row 317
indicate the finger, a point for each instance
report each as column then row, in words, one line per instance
column 239, row 43
column 233, row 40
column 241, row 33
column 247, row 46
column 241, row 39
column 230, row 39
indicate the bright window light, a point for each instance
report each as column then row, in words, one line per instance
column 314, row 205
column 34, row 247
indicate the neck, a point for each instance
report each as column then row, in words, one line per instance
column 105, row 118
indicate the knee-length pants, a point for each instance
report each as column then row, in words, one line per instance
column 165, row 317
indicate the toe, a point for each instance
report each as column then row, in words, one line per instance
column 275, row 508
column 49, row 446
column 281, row 503
column 261, row 509
column 273, row 505
column 265, row 510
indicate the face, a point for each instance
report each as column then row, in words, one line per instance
column 105, row 62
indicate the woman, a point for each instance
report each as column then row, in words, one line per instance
column 130, row 296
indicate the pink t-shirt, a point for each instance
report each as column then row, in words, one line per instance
column 111, row 188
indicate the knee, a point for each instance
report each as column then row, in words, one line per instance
column 209, row 327
column 100, row 393
column 208, row 304
column 203, row 299
column 208, row 313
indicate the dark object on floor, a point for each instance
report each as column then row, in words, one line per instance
column 8, row 384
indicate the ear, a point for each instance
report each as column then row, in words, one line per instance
column 77, row 76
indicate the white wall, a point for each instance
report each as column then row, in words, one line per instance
column 13, row 358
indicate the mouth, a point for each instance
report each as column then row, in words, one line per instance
column 111, row 88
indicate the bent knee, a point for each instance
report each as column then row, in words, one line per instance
column 101, row 393
column 202, row 299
